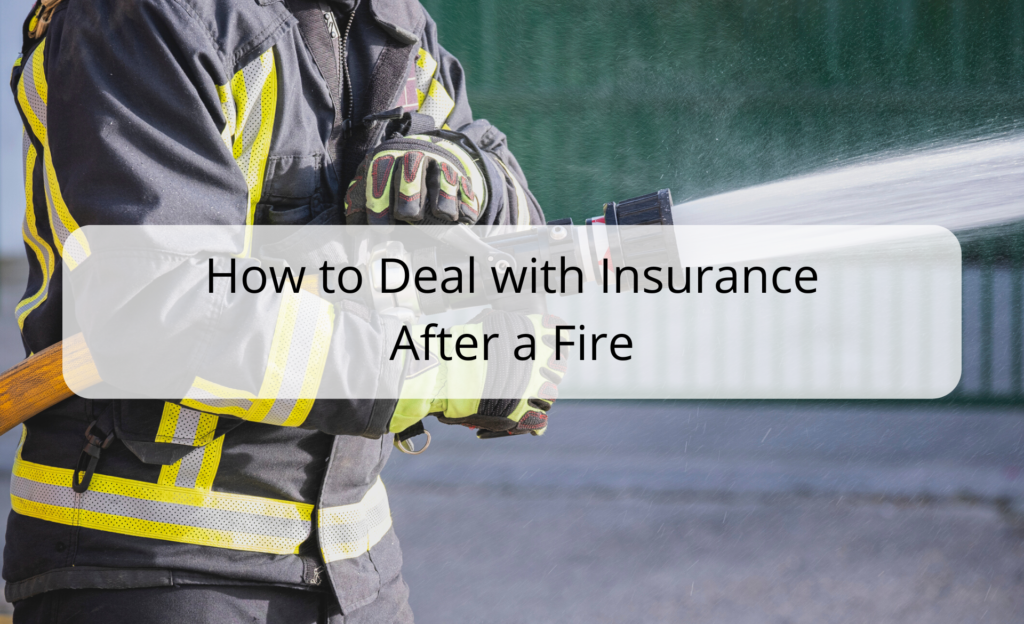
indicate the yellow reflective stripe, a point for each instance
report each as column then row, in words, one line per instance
column 426, row 67
column 222, row 501
column 181, row 425
column 157, row 511
column 348, row 531
column 241, row 98
column 35, row 242
column 35, row 123
column 210, row 463
column 437, row 103
column 254, row 89
column 169, row 474
column 195, row 470
column 137, row 527
column 212, row 397
column 39, row 72
column 227, row 107
column 298, row 354
column 76, row 247
column 32, row 99
column 522, row 208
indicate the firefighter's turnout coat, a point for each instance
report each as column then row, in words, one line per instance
column 221, row 112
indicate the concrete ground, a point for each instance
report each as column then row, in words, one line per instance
column 706, row 512
column 718, row 513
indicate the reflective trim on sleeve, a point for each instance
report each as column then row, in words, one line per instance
column 425, row 69
column 227, row 108
column 209, row 396
column 254, row 89
column 30, row 233
column 348, row 531
column 437, row 103
column 32, row 99
column 298, row 354
column 191, row 516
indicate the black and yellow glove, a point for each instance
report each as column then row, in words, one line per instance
column 417, row 179
column 452, row 389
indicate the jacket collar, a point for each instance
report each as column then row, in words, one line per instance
column 402, row 19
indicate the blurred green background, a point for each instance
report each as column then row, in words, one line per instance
column 604, row 100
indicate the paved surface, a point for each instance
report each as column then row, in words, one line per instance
column 718, row 513
column 707, row 512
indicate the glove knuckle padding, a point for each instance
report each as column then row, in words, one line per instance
column 417, row 178
column 532, row 421
column 559, row 365
column 548, row 391
column 380, row 176
column 446, row 204
column 410, row 196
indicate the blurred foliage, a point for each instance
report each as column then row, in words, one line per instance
column 606, row 100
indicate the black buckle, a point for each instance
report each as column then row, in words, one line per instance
column 388, row 115
column 401, row 123
column 90, row 456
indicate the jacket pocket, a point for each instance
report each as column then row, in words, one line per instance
column 291, row 190
column 278, row 214
column 160, row 432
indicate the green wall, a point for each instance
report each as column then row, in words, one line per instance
column 606, row 100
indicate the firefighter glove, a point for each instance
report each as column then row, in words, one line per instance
column 459, row 391
column 417, row 179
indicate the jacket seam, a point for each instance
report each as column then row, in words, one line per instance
column 258, row 40
column 205, row 29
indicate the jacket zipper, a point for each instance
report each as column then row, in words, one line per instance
column 341, row 62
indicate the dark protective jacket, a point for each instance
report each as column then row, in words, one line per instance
column 221, row 112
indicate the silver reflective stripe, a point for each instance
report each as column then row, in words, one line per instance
column 348, row 531
column 74, row 249
column 299, row 351
column 156, row 511
column 43, row 291
column 359, row 528
column 188, row 471
column 35, row 101
column 25, row 144
column 254, row 76
column 187, row 425
column 38, row 107
column 213, row 401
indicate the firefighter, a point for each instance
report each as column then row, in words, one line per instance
column 228, row 505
